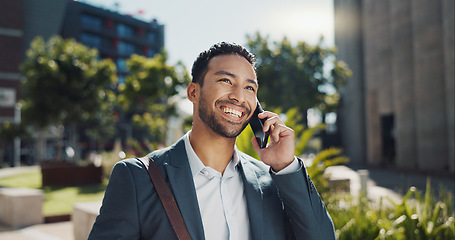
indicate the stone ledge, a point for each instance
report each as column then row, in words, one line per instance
column 20, row 207
column 84, row 215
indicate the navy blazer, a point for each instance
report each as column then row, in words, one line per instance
column 279, row 206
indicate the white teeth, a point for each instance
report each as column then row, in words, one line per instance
column 233, row 112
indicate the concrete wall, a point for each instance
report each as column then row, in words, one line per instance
column 348, row 40
column 407, row 74
column 377, row 55
column 448, row 20
column 429, row 85
column 402, row 68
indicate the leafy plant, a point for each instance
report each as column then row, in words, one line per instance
column 355, row 220
column 148, row 96
column 424, row 218
column 322, row 160
column 412, row 218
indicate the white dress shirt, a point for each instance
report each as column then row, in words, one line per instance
column 221, row 197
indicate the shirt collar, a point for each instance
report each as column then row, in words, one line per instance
column 196, row 164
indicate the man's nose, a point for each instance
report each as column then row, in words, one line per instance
column 237, row 94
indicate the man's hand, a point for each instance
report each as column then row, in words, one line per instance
column 279, row 152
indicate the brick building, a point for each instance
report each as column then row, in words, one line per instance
column 398, row 108
column 11, row 38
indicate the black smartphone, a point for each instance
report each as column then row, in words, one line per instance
column 257, row 125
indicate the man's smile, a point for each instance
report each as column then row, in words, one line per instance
column 232, row 112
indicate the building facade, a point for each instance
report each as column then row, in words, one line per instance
column 11, row 37
column 115, row 35
column 398, row 108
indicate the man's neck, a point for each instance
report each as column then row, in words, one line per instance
column 213, row 150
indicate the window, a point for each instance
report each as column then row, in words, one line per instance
column 90, row 21
column 151, row 36
column 124, row 30
column 90, row 40
column 121, row 65
column 125, row 48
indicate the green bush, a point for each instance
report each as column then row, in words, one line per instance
column 424, row 218
column 414, row 218
column 322, row 160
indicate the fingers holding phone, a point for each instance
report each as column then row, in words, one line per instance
column 279, row 153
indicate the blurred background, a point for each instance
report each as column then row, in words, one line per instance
column 366, row 85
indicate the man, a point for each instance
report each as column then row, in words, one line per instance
column 221, row 192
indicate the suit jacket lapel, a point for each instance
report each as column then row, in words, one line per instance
column 253, row 193
column 181, row 181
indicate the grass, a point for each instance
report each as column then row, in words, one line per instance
column 57, row 200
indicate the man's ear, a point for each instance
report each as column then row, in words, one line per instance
column 193, row 91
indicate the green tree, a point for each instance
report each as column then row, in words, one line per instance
column 149, row 93
column 301, row 76
column 65, row 84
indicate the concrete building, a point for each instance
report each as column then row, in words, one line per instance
column 398, row 108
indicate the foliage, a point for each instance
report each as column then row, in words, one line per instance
column 65, row 84
column 8, row 131
column 413, row 218
column 140, row 149
column 244, row 144
column 302, row 75
column 147, row 94
column 322, row 160
column 424, row 218
column 355, row 219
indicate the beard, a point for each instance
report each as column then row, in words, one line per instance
column 208, row 117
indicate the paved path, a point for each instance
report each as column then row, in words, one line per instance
column 50, row 231
column 6, row 172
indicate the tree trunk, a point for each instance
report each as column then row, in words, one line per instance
column 75, row 142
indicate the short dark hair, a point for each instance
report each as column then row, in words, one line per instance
column 200, row 65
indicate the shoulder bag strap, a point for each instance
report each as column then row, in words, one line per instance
column 167, row 199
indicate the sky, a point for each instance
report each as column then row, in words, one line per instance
column 193, row 26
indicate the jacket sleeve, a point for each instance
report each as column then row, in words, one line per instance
column 308, row 215
column 118, row 218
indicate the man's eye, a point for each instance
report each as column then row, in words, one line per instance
column 225, row 80
column 251, row 88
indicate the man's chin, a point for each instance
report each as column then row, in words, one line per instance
column 229, row 131
column 236, row 132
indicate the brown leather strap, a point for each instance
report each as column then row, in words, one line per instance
column 167, row 198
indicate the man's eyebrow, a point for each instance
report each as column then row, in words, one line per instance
column 253, row 82
column 222, row 72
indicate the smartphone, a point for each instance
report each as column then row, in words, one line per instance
column 257, row 125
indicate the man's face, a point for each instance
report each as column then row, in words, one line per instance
column 228, row 95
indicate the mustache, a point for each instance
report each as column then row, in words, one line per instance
column 247, row 109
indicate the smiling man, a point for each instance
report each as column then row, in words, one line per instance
column 221, row 192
